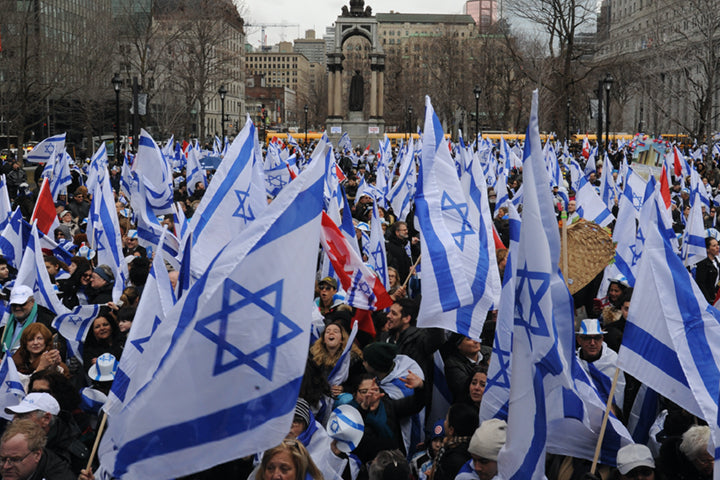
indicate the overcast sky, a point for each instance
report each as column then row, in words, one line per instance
column 318, row 14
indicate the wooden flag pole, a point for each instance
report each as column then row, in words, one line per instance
column 604, row 421
column 412, row 270
column 97, row 438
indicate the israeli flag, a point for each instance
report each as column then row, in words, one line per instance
column 402, row 192
column 536, row 358
column 153, row 309
column 608, row 190
column 5, row 204
column 590, row 206
column 13, row 239
column 154, row 171
column 671, row 332
column 245, row 323
column 232, row 202
column 376, row 247
column 12, row 391
column 128, row 179
column 441, row 216
column 149, row 228
column 195, row 171
column 47, row 150
column 496, row 398
column 98, row 167
column 693, row 240
column 104, row 234
column 61, row 176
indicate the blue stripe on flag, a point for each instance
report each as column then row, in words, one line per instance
column 213, row 427
column 537, row 445
column 654, row 352
column 441, row 266
column 694, row 325
column 295, row 216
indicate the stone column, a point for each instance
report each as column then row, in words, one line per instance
column 381, row 92
column 373, row 94
column 338, row 109
column 331, row 91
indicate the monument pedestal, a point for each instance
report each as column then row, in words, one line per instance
column 362, row 132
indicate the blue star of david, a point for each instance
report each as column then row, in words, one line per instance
column 640, row 236
column 502, row 379
column 74, row 319
column 276, row 180
column 379, row 257
column 98, row 244
column 533, row 321
column 636, row 255
column 243, row 211
column 248, row 298
column 49, row 148
column 139, row 342
column 448, row 203
column 334, row 426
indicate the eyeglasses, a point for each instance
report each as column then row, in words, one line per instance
column 87, row 276
column 325, row 287
column 591, row 338
column 14, row 460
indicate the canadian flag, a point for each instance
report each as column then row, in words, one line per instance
column 363, row 290
column 586, row 148
column 44, row 211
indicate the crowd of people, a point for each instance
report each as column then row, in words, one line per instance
column 388, row 390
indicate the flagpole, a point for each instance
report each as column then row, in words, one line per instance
column 412, row 270
column 97, row 439
column 604, row 421
column 564, row 249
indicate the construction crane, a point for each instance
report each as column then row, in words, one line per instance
column 263, row 26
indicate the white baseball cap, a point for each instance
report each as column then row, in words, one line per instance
column 36, row 401
column 633, row 456
column 20, row 294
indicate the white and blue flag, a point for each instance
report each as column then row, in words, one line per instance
column 11, row 388
column 231, row 203
column 245, row 323
column 441, row 216
column 47, row 150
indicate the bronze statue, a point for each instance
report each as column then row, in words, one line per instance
column 357, row 92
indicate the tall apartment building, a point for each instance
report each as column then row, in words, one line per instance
column 660, row 52
column 283, row 69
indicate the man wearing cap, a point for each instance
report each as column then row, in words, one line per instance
column 599, row 360
column 62, row 437
column 131, row 247
column 23, row 312
column 635, row 461
column 328, row 300
column 23, row 455
column 80, row 205
column 101, row 285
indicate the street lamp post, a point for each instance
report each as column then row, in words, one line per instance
column 607, row 83
column 567, row 121
column 409, row 126
column 599, row 95
column 117, row 83
column 222, row 91
column 305, row 109
column 477, row 92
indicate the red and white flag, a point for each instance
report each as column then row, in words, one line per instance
column 363, row 289
column 44, row 211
